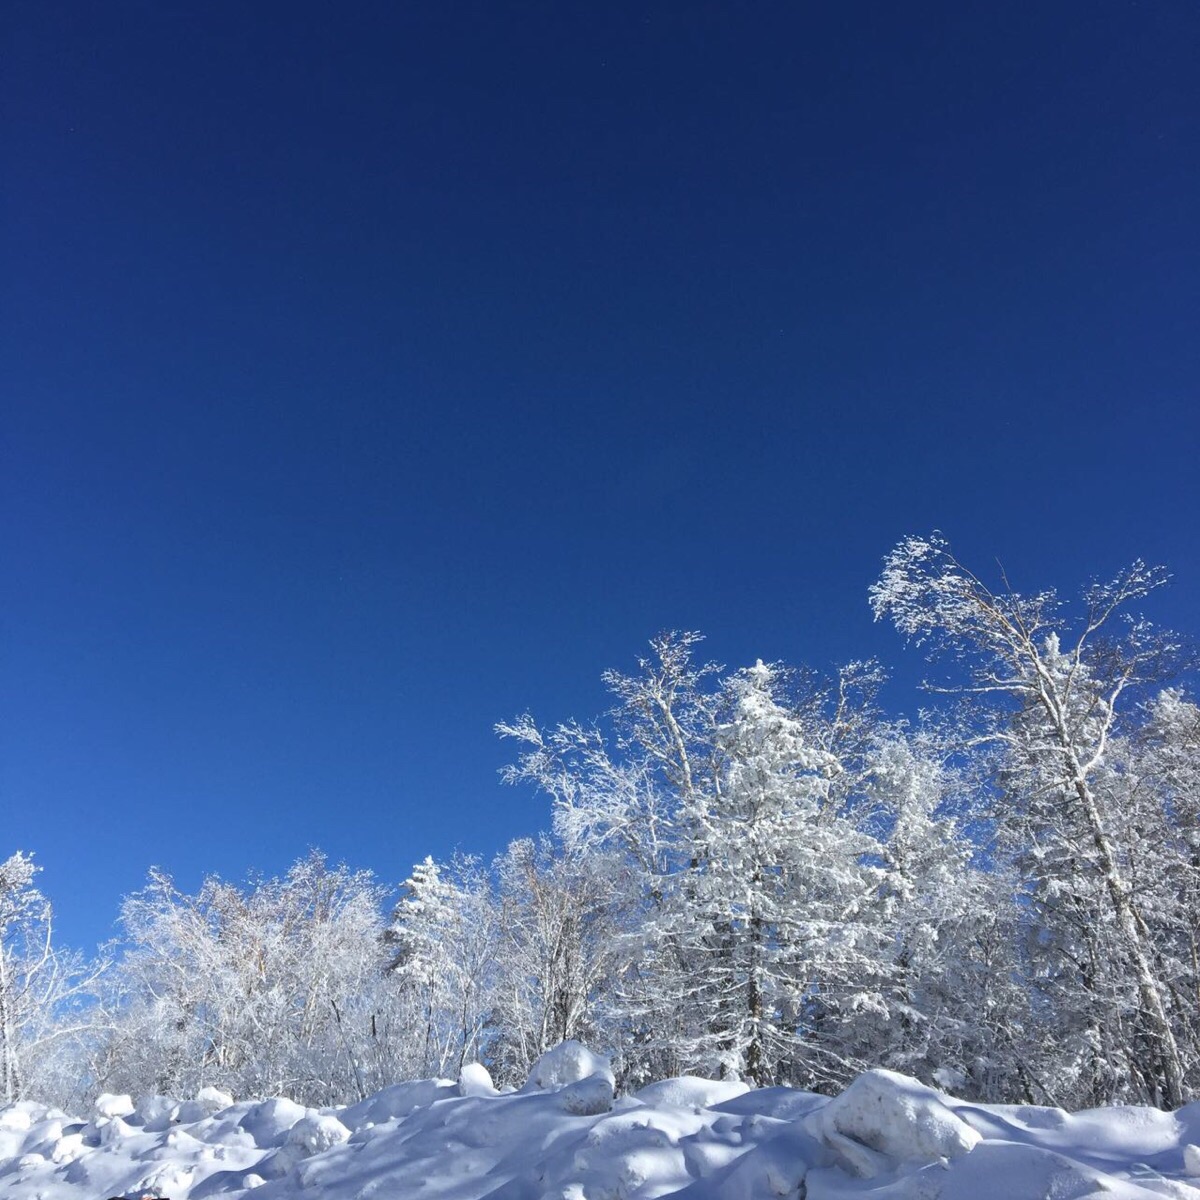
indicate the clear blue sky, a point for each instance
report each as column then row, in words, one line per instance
column 373, row 372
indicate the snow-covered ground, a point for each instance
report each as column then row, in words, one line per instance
column 564, row 1137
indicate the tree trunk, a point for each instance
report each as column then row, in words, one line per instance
column 1149, row 994
column 10, row 1071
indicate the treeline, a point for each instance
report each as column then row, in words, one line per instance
column 756, row 873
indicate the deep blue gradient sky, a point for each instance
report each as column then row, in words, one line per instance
column 374, row 372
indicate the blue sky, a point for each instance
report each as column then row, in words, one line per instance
column 369, row 377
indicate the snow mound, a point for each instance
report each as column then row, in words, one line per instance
column 114, row 1131
column 565, row 1137
column 270, row 1122
column 475, row 1080
column 109, row 1106
column 398, row 1101
column 883, row 1115
column 587, row 1098
column 690, row 1091
column 568, row 1062
column 18, row 1117
column 316, row 1133
column 155, row 1113
column 208, row 1100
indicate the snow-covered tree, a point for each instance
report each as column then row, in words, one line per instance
column 420, row 964
column 24, row 943
column 623, row 788
column 44, row 993
column 559, row 953
column 1153, row 779
column 627, row 788
column 953, row 1000
column 275, row 988
column 1051, row 696
column 444, row 939
column 776, row 901
column 723, row 799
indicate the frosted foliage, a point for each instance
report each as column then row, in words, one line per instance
column 754, row 877
column 45, row 993
column 277, row 986
column 724, row 807
column 444, row 937
column 1050, row 696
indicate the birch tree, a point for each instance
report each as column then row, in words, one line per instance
column 1054, row 692
column 270, row 988
column 44, row 993
column 559, row 953
column 24, row 945
column 628, row 788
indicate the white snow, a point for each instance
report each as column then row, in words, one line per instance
column 566, row 1137
column 475, row 1080
column 884, row 1117
column 316, row 1132
column 208, row 1100
column 690, row 1091
column 568, row 1062
column 108, row 1106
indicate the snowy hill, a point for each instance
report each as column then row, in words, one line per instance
column 565, row 1137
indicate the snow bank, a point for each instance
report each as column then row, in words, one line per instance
column 883, row 1116
column 690, row 1091
column 587, row 1098
column 207, row 1101
column 565, row 1136
column 398, row 1101
column 316, row 1133
column 108, row 1107
column 568, row 1062
column 475, row 1080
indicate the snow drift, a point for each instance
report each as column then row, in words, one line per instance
column 565, row 1136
